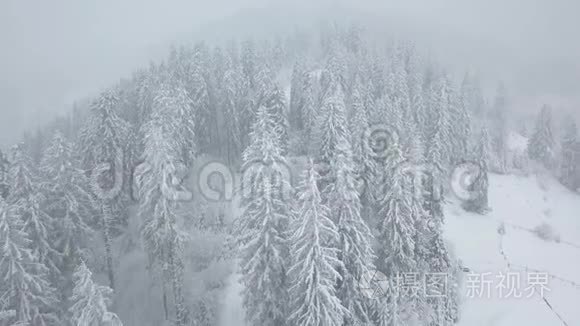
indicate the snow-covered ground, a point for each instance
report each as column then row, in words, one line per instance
column 521, row 204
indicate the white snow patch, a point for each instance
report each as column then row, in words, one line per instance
column 521, row 204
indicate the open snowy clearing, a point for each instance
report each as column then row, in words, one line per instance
column 521, row 203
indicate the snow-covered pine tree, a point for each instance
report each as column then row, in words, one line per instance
column 232, row 101
column 4, row 166
column 261, row 234
column 355, row 247
column 90, row 301
column 365, row 164
column 277, row 55
column 471, row 95
column 70, row 203
column 29, row 200
column 105, row 140
column 377, row 76
column 439, row 149
column 296, row 95
column 418, row 107
column 396, row 223
column 570, row 146
column 146, row 86
column 498, row 117
column 275, row 102
column 479, row 186
column 437, row 257
column 158, row 203
column 444, row 305
column 308, row 108
column 401, row 100
column 333, row 76
column 397, row 230
column 248, row 60
column 200, row 109
column 460, row 128
column 541, row 144
column 314, row 271
column 105, row 135
column 332, row 129
column 171, row 97
column 26, row 296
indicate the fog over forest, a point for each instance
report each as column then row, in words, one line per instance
column 63, row 50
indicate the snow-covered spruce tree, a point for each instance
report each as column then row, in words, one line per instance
column 397, row 231
column 460, row 127
column 146, row 86
column 248, row 60
column 396, row 218
column 472, row 96
column 158, row 204
column 333, row 76
column 355, row 249
column 439, row 147
column 314, row 271
column 480, row 185
column 232, row 101
column 308, row 108
column 570, row 146
column 296, row 95
column 541, row 144
column 205, row 119
column 332, row 128
column 418, row 107
column 4, row 166
column 261, row 233
column 90, row 301
column 26, row 296
column 171, row 98
column 29, row 200
column 275, row 102
column 365, row 164
column 401, row 100
column 444, row 304
column 70, row 203
column 105, row 134
column 377, row 76
column 437, row 256
column 105, row 140
column 498, row 118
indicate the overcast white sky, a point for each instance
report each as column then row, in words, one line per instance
column 53, row 52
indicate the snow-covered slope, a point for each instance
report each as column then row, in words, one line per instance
column 520, row 204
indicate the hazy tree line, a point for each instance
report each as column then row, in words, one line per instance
column 355, row 210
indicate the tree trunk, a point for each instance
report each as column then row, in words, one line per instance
column 107, row 236
column 176, row 280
